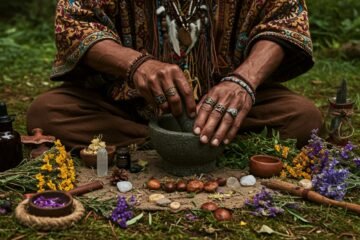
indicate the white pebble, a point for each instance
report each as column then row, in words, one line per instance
column 163, row 202
column 233, row 183
column 155, row 197
column 305, row 183
column 175, row 205
column 248, row 180
column 124, row 186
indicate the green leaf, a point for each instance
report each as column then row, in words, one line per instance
column 297, row 216
column 134, row 219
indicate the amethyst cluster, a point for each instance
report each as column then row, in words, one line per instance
column 122, row 213
column 263, row 205
column 53, row 202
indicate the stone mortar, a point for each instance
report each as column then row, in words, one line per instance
column 181, row 152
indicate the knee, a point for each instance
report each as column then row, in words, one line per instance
column 304, row 117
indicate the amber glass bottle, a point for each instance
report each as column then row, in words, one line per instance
column 10, row 141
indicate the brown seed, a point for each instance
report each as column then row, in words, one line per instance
column 221, row 181
column 211, row 186
column 153, row 184
column 181, row 186
column 209, row 206
column 222, row 214
column 169, row 187
column 195, row 186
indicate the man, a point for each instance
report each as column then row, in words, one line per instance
column 123, row 62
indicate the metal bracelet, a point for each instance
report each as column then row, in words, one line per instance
column 242, row 84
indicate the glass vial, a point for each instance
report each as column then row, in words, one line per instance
column 102, row 162
column 123, row 158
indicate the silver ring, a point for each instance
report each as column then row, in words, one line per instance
column 233, row 112
column 220, row 108
column 170, row 92
column 210, row 101
column 160, row 99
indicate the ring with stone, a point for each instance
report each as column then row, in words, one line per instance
column 170, row 92
column 210, row 101
column 220, row 108
column 232, row 111
column 160, row 99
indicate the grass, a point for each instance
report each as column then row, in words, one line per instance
column 25, row 65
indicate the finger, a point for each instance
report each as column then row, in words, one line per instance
column 157, row 92
column 186, row 93
column 227, row 121
column 172, row 96
column 200, row 103
column 231, row 134
column 204, row 112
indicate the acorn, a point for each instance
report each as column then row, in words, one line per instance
column 221, row 181
column 194, row 186
column 153, row 184
column 169, row 187
column 211, row 186
column 222, row 214
column 209, row 206
column 181, row 186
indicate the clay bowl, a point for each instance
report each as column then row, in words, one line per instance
column 182, row 153
column 62, row 197
column 90, row 159
column 265, row 166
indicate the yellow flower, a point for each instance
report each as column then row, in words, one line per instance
column 277, row 147
column 48, row 167
column 51, row 185
column 283, row 174
column 285, row 152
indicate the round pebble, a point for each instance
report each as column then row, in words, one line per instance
column 163, row 202
column 155, row 197
column 175, row 205
column 248, row 180
column 124, row 186
column 305, row 183
column 233, row 183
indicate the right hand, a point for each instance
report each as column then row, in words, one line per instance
column 154, row 78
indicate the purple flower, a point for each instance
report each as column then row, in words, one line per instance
column 357, row 161
column 263, row 204
column 122, row 213
column 191, row 217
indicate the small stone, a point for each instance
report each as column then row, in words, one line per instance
column 233, row 183
column 305, row 183
column 248, row 180
column 155, row 197
column 124, row 186
column 163, row 202
column 175, row 205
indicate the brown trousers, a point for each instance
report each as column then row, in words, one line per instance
column 75, row 115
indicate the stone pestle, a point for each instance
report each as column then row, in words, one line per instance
column 186, row 123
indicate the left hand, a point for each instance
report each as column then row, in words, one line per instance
column 214, row 123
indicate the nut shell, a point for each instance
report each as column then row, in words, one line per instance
column 209, row 206
column 181, row 186
column 169, row 187
column 195, row 186
column 211, row 186
column 222, row 214
column 221, row 181
column 153, row 184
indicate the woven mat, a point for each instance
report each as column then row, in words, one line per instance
column 226, row 198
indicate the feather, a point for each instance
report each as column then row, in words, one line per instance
column 173, row 35
column 160, row 10
column 194, row 33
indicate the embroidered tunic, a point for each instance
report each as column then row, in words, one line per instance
column 236, row 26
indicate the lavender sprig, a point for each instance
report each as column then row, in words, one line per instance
column 44, row 202
column 122, row 213
column 263, row 204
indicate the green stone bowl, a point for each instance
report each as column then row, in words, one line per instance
column 182, row 153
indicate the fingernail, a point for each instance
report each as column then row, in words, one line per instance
column 226, row 141
column 204, row 139
column 215, row 142
column 193, row 114
column 197, row 130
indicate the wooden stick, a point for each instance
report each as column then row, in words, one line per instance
column 308, row 194
column 89, row 187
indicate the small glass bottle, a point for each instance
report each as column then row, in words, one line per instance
column 10, row 141
column 102, row 162
column 123, row 158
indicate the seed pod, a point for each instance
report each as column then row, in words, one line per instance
column 211, row 186
column 175, row 205
column 169, row 187
column 181, row 186
column 209, row 206
column 221, row 181
column 222, row 214
column 153, row 184
column 195, row 186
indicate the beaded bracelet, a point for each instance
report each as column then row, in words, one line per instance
column 243, row 84
column 135, row 65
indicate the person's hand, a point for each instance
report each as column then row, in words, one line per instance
column 221, row 112
column 165, row 85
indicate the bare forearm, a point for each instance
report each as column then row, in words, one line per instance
column 109, row 57
column 263, row 60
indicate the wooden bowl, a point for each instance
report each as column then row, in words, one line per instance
column 265, row 166
column 90, row 159
column 63, row 197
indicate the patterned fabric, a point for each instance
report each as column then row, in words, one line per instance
column 238, row 24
